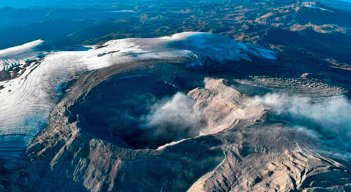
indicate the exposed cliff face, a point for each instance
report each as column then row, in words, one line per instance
column 224, row 107
column 236, row 151
column 272, row 158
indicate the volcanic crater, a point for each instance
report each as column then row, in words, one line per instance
column 119, row 110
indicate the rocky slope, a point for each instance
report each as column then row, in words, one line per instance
column 238, row 151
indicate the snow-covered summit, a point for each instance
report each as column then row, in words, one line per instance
column 188, row 44
column 21, row 49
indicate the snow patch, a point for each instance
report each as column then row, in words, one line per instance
column 13, row 51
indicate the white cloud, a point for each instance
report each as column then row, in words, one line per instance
column 177, row 115
column 329, row 117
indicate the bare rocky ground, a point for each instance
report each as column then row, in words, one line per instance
column 236, row 148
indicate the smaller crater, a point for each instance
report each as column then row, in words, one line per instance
column 118, row 110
